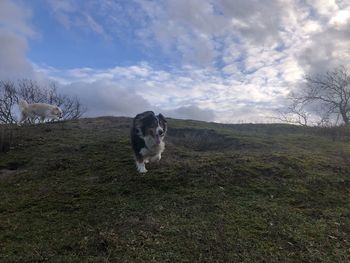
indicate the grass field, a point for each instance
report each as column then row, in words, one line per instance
column 222, row 193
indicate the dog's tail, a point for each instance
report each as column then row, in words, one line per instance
column 23, row 104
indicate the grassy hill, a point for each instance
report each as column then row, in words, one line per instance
column 222, row 193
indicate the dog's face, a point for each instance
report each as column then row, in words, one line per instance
column 57, row 112
column 151, row 127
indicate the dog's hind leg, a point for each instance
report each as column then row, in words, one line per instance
column 31, row 120
column 23, row 118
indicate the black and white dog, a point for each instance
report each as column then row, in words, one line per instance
column 147, row 138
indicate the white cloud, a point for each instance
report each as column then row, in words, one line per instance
column 341, row 18
column 15, row 29
column 107, row 98
column 15, row 18
column 191, row 112
column 324, row 7
column 13, row 62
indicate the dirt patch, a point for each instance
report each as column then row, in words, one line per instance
column 4, row 173
column 10, row 169
column 12, row 166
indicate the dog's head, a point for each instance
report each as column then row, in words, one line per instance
column 56, row 111
column 147, row 124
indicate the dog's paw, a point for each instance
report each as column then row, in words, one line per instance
column 156, row 158
column 141, row 168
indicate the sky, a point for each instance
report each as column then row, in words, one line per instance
column 227, row 61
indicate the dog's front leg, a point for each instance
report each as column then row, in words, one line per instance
column 141, row 168
column 55, row 119
column 156, row 158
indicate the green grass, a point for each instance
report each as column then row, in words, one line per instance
column 222, row 193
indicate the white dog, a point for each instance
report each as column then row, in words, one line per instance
column 41, row 110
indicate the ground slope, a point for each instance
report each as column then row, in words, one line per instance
column 222, row 193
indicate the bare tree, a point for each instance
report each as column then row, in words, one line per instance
column 8, row 100
column 12, row 92
column 294, row 114
column 326, row 96
column 30, row 91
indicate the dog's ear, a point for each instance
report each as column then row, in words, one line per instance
column 163, row 121
column 161, row 118
column 138, row 120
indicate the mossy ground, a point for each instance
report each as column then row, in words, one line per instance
column 222, row 193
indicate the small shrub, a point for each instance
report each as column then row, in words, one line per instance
column 335, row 133
column 6, row 139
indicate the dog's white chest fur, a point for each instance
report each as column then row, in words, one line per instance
column 152, row 149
